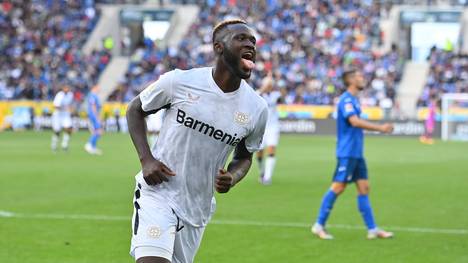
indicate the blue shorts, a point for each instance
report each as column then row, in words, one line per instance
column 349, row 170
column 94, row 122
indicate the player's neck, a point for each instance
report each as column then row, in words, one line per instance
column 225, row 80
column 353, row 90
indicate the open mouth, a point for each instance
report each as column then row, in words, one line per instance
column 247, row 60
column 249, row 55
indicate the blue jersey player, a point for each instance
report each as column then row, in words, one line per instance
column 93, row 105
column 351, row 165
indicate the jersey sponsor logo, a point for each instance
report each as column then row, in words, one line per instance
column 206, row 129
column 241, row 118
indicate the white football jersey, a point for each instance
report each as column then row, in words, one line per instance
column 271, row 99
column 63, row 101
column 201, row 127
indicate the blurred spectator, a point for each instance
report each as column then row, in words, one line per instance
column 448, row 74
column 307, row 44
column 40, row 46
column 121, row 1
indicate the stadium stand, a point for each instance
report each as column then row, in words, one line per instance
column 307, row 44
column 448, row 74
column 40, row 48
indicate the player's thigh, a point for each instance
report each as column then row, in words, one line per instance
column 360, row 170
column 153, row 226
column 56, row 124
column 66, row 121
column 345, row 170
column 271, row 136
column 361, row 177
column 186, row 244
column 95, row 125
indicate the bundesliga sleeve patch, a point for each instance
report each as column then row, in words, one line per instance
column 349, row 107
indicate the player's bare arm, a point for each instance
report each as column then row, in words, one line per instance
column 154, row 171
column 236, row 171
column 360, row 123
column 267, row 84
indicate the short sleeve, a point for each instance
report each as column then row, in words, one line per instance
column 253, row 142
column 158, row 94
column 347, row 108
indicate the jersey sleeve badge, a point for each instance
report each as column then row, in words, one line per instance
column 349, row 107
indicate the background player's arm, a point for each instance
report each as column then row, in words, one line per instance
column 236, row 171
column 267, row 84
column 154, row 171
column 355, row 121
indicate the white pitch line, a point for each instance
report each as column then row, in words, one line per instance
column 7, row 214
column 340, row 226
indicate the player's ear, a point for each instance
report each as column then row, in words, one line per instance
column 218, row 47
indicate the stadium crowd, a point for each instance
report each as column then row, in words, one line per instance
column 307, row 45
column 40, row 48
column 448, row 74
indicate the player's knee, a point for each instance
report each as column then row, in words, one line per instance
column 259, row 154
column 363, row 187
column 338, row 188
column 364, row 190
column 271, row 151
column 152, row 260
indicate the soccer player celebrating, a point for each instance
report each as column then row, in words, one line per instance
column 272, row 131
column 209, row 113
column 95, row 124
column 351, row 165
column 61, row 118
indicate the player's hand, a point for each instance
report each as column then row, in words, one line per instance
column 387, row 128
column 155, row 172
column 223, row 181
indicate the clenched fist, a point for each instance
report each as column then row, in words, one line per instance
column 223, row 181
column 386, row 128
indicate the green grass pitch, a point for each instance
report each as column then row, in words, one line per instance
column 72, row 207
